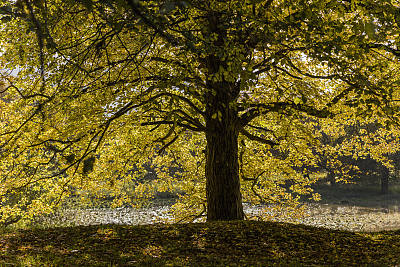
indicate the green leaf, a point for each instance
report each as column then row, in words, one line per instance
column 369, row 28
column 297, row 100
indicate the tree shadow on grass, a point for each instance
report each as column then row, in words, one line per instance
column 246, row 243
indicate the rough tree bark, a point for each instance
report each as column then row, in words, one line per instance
column 224, row 200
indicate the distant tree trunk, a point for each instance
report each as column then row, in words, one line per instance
column 384, row 180
column 331, row 178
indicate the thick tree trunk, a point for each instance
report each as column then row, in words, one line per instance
column 224, row 200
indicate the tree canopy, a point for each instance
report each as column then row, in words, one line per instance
column 230, row 93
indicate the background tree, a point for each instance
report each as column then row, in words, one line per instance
column 358, row 152
column 100, row 86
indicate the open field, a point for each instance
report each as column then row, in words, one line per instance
column 333, row 216
column 344, row 207
column 247, row 243
column 356, row 208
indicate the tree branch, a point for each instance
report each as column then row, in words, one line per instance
column 327, row 77
column 257, row 138
column 395, row 52
column 261, row 109
column 134, row 5
column 170, row 142
column 172, row 123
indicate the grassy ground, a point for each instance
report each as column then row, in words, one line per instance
column 248, row 243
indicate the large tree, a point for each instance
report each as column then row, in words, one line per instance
column 223, row 89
